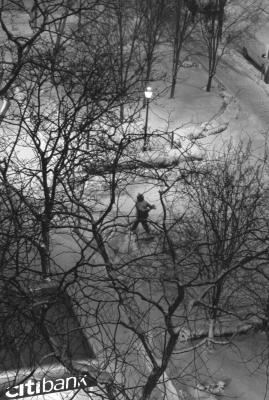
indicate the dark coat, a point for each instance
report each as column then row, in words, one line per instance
column 142, row 209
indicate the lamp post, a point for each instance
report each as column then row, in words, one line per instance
column 148, row 94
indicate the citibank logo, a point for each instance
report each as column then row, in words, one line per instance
column 34, row 387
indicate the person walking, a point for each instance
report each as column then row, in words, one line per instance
column 142, row 213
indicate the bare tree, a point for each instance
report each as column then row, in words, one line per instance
column 222, row 23
column 180, row 26
column 18, row 45
column 18, row 231
column 152, row 29
column 120, row 33
column 130, row 298
column 228, row 228
column 212, row 16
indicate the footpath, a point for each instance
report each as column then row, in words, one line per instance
column 193, row 116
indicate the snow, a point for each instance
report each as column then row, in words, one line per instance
column 240, row 365
column 262, row 35
column 202, row 122
column 235, row 110
column 228, row 113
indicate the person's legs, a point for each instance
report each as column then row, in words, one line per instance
column 145, row 225
column 135, row 224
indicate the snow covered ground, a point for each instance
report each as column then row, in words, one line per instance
column 195, row 113
column 241, row 365
column 241, row 108
column 240, row 101
column 239, row 104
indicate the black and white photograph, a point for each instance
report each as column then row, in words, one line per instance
column 134, row 199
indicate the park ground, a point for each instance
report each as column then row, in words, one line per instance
column 195, row 113
column 241, row 363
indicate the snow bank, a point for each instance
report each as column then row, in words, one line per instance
column 170, row 157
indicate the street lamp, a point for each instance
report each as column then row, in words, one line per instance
column 148, row 94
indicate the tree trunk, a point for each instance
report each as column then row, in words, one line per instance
column 209, row 83
column 121, row 112
column 267, row 324
column 175, row 70
column 44, row 249
column 211, row 329
column 173, row 87
column 176, row 50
